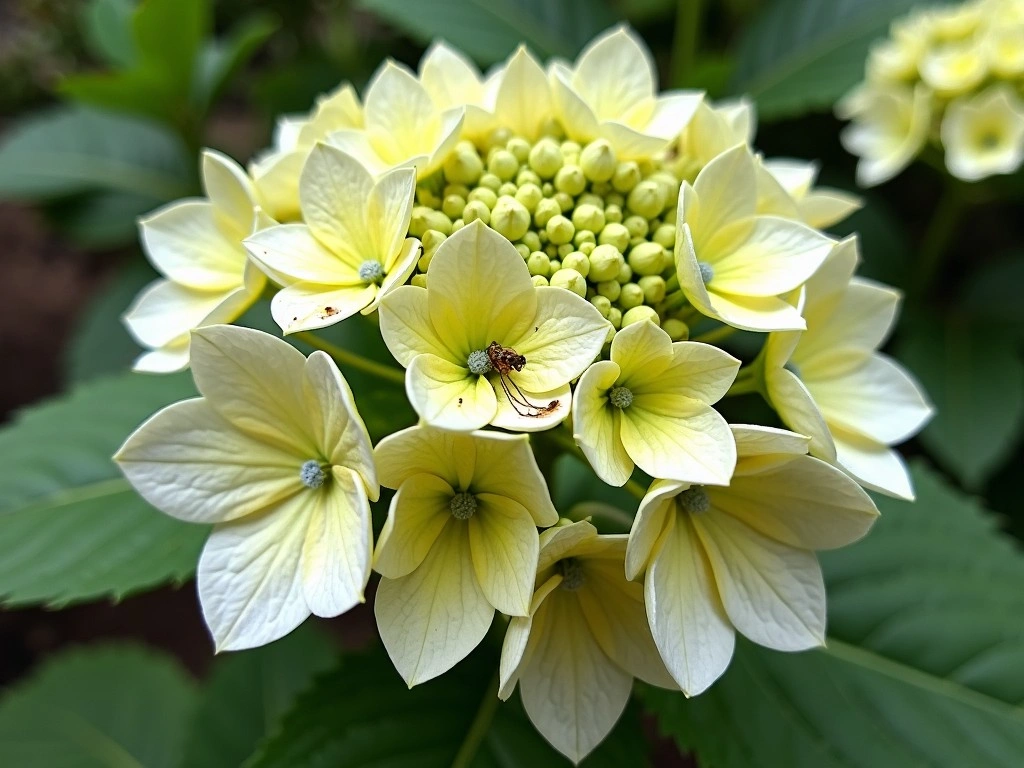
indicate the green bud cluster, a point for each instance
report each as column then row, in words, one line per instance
column 581, row 218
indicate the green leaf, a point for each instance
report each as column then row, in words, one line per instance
column 362, row 714
column 107, row 28
column 71, row 528
column 220, row 60
column 802, row 55
column 101, row 344
column 573, row 482
column 100, row 220
column 490, row 30
column 935, row 586
column 975, row 376
column 118, row 705
column 248, row 693
column 67, row 151
column 993, row 292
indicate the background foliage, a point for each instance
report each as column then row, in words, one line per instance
column 108, row 102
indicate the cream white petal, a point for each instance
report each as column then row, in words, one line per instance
column 505, row 465
column 169, row 358
column 879, row 400
column 230, row 191
column 254, row 380
column 398, row 106
column 595, row 424
column 277, row 184
column 678, row 438
column 448, row 396
column 504, row 543
column 289, row 253
column 858, row 318
column 700, row 371
column 164, row 310
column 565, row 336
column 726, row 191
column 183, row 241
column 334, row 190
column 873, row 465
column 338, row 546
column 797, row 408
column 756, row 440
column 406, row 327
column 190, row 463
column 572, row 692
column 307, row 306
column 614, row 72
column 825, row 207
column 400, row 270
column 649, row 524
column 387, row 215
column 756, row 313
column 629, row 142
column 249, row 576
column 523, row 102
column 673, row 111
column 358, row 144
column 773, row 593
column 686, row 616
column 449, row 77
column 433, row 618
column 642, row 351
column 516, row 643
column 419, row 511
column 579, row 119
column 532, row 411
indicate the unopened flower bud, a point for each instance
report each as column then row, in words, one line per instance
column 677, row 330
column 669, row 185
column 503, row 164
column 647, row 199
column 507, row 189
column 490, row 181
column 627, row 176
column 539, row 264
column 589, row 217
column 532, row 239
column 571, row 280
column 665, row 236
column 609, row 288
column 426, row 196
column 526, row 176
column 613, row 213
column 431, row 239
column 578, row 261
column 636, row 226
column 510, row 218
column 587, row 246
column 605, row 261
column 638, row 315
column 463, row 166
column 565, row 201
column 545, row 158
column 476, row 210
column 632, row 295
column 625, row 274
column 615, row 317
column 602, row 304
column 529, row 195
column 560, row 230
column 453, row 206
column 570, row 180
column 523, row 251
column 484, row 195
column 424, row 218
column 539, row 280
column 598, row 160
column 554, row 264
column 519, row 147
column 583, row 236
column 653, row 287
column 564, row 250
column 647, row 258
column 420, row 281
column 614, row 234
column 546, row 209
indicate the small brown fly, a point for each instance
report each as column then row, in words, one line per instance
column 505, row 360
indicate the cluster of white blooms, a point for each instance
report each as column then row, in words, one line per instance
column 535, row 245
column 951, row 76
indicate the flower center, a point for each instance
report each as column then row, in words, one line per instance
column 694, row 500
column 463, row 505
column 312, row 474
column 707, row 272
column 478, row 362
column 371, row 271
column 572, row 574
column 621, row 397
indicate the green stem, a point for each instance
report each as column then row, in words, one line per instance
column 715, row 335
column 937, row 236
column 684, row 46
column 478, row 729
column 346, row 358
column 747, row 381
column 636, row 489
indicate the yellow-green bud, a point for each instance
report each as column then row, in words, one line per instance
column 555, row 264
column 570, row 148
column 613, row 213
column 484, row 195
column 565, row 202
column 587, row 246
column 632, row 295
column 670, row 184
column 523, row 251
column 539, row 264
column 638, row 315
column 456, row 189
column 583, row 236
column 491, row 181
column 510, row 218
column 453, row 206
column 539, row 280
column 677, row 330
column 625, row 274
column 424, row 263
column 614, row 198
column 608, row 288
column 529, row 195
column 431, row 239
column 647, row 258
column 519, row 147
column 508, row 188
column 627, row 176
column 653, row 287
column 588, row 216
column 665, row 236
column 601, row 188
column 526, row 176
column 546, row 209
column 420, row 281
column 598, row 160
column 560, row 230
column 424, row 218
column 565, row 249
column 463, row 166
column 503, row 164
column 605, row 261
column 614, row 234
column 637, row 226
column 426, row 196
column 669, row 217
column 499, row 137
column 571, row 280
column 545, row 158
column 532, row 239
column 547, row 188
column 457, row 225
column 578, row 261
column 570, row 180
column 476, row 210
column 602, row 304
column 588, row 198
column 615, row 317
column 646, row 199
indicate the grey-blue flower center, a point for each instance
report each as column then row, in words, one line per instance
column 707, row 272
column 371, row 271
column 478, row 362
column 694, row 500
column 621, row 397
column 312, row 474
column 572, row 573
column 463, row 505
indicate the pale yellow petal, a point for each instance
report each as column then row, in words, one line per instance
column 448, row 396
column 182, row 240
column 614, row 72
column 562, row 541
column 401, row 268
column 307, row 306
column 449, row 77
column 505, row 465
column 825, row 207
column 523, row 102
column 289, row 253
column 756, row 313
column 726, row 189
column 672, row 112
column 169, row 358
column 277, row 184
column 503, row 541
column 335, row 190
column 642, row 351
column 230, row 191
column 755, row 440
column 388, row 213
column 531, row 411
column 451, row 456
column 514, row 648
column 580, row 122
column 649, row 523
column 419, row 511
column 406, row 327
column 397, row 106
column 595, row 424
column 798, row 410
column 873, row 465
column 357, row 144
column 433, row 618
column 699, row 371
column 164, row 310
